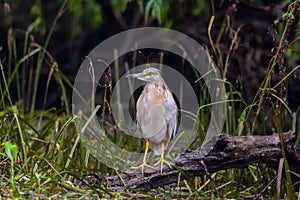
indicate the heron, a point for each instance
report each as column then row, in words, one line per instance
column 156, row 115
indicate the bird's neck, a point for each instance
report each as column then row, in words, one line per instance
column 158, row 82
column 156, row 85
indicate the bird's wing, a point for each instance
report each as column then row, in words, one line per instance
column 171, row 113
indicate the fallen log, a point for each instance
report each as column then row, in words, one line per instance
column 228, row 152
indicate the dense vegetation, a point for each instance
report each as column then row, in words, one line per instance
column 255, row 46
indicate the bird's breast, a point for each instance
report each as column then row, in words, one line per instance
column 154, row 94
column 151, row 108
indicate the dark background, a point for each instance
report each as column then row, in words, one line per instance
column 84, row 24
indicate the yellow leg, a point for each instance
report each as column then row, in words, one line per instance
column 144, row 164
column 162, row 160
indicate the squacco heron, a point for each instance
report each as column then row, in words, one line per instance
column 156, row 114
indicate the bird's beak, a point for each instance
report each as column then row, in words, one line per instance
column 137, row 75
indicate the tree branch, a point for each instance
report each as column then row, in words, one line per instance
column 228, row 152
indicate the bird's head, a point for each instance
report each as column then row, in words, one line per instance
column 150, row 75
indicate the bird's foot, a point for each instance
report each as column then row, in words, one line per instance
column 143, row 166
column 161, row 162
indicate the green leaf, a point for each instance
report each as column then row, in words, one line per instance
column 147, row 10
column 94, row 14
column 119, row 5
column 11, row 150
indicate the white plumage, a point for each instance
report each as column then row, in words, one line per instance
column 156, row 112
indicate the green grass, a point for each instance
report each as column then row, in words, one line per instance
column 42, row 156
